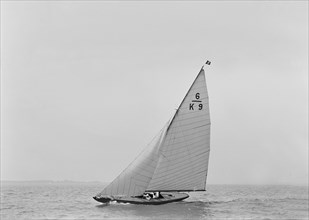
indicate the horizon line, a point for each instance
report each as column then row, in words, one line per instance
column 98, row 181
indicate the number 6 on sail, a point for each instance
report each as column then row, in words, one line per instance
column 175, row 161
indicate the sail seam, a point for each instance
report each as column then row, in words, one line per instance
column 167, row 177
column 196, row 127
column 195, row 152
column 159, row 151
column 205, row 129
column 168, row 183
column 180, row 184
column 175, row 143
column 199, row 147
column 200, row 139
column 185, row 184
column 167, row 174
column 197, row 115
column 194, row 122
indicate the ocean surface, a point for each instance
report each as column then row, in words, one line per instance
column 70, row 200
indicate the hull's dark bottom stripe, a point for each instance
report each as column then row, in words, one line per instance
column 183, row 190
column 168, row 198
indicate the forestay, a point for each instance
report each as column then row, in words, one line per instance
column 177, row 159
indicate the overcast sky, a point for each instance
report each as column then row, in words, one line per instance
column 86, row 85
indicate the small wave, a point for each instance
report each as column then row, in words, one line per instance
column 259, row 200
column 119, row 203
column 102, row 205
column 293, row 198
column 204, row 202
column 244, row 200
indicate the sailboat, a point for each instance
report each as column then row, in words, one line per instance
column 175, row 161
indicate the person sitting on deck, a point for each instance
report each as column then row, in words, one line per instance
column 152, row 195
column 156, row 195
column 146, row 196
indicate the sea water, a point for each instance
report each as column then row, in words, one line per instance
column 70, row 200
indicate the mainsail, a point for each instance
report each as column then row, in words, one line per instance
column 183, row 162
column 177, row 158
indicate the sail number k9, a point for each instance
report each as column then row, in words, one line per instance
column 191, row 105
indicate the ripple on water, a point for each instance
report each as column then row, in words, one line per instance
column 56, row 201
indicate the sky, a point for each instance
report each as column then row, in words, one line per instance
column 85, row 86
